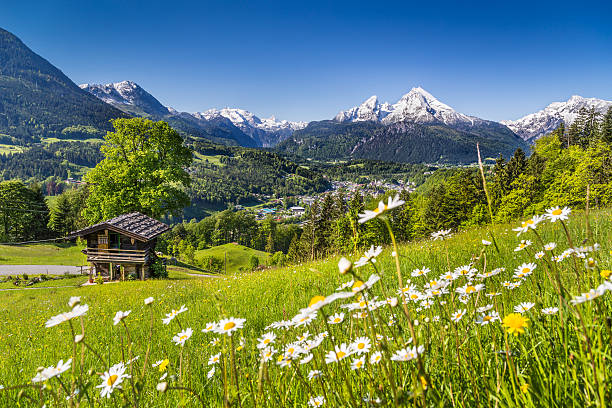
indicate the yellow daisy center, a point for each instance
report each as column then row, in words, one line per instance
column 111, row 380
column 470, row 289
column 229, row 326
column 266, row 341
column 558, row 211
column 315, row 300
column 340, row 354
column 357, row 285
column 337, row 320
column 526, row 270
column 359, row 364
column 361, row 346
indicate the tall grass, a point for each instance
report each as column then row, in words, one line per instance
column 563, row 359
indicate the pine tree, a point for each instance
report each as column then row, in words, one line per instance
column 559, row 132
column 270, row 244
column 516, row 166
column 606, row 126
column 293, row 254
column 60, row 220
column 590, row 130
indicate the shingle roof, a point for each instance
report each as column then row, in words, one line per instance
column 135, row 224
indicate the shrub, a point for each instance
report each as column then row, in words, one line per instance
column 158, row 270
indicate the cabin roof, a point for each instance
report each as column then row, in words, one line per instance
column 135, row 225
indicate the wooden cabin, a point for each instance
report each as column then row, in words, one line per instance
column 122, row 246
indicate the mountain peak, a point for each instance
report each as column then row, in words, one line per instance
column 417, row 105
column 127, row 96
column 538, row 124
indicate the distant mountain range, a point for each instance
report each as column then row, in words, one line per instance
column 418, row 128
column 239, row 125
column 538, row 124
column 38, row 100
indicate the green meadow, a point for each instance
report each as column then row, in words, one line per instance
column 439, row 350
column 42, row 254
column 238, row 256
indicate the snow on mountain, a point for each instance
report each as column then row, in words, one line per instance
column 131, row 98
column 127, row 96
column 548, row 119
column 267, row 131
column 418, row 106
column 370, row 110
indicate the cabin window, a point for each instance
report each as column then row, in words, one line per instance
column 102, row 240
column 115, row 241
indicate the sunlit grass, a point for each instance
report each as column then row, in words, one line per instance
column 560, row 360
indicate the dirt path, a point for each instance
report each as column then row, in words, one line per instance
column 39, row 270
column 202, row 275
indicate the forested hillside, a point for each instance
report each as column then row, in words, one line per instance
column 37, row 99
column 239, row 175
column 401, row 142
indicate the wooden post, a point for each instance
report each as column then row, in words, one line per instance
column 110, row 271
column 122, row 273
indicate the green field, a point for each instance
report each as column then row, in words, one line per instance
column 238, row 256
column 10, row 149
column 212, row 159
column 42, row 254
column 560, row 360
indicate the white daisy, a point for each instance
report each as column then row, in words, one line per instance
column 358, row 363
column 456, row 316
column 531, row 223
column 316, row 401
column 344, row 265
column 522, row 245
column 523, row 307
column 228, row 326
column 361, row 345
column 407, row 354
column 119, row 316
column 381, row 209
column 550, row 310
column 112, row 379
column 556, row 213
column 336, row 318
column 441, row 235
column 170, row 316
column 182, row 337
column 214, row 359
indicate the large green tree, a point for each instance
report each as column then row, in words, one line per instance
column 23, row 212
column 144, row 169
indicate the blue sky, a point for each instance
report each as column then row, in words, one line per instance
column 305, row 60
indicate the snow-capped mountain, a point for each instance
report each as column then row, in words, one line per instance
column 240, row 124
column 548, row 119
column 127, row 96
column 267, row 131
column 370, row 110
column 417, row 106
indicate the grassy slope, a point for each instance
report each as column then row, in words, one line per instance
column 42, row 254
column 238, row 256
column 260, row 297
